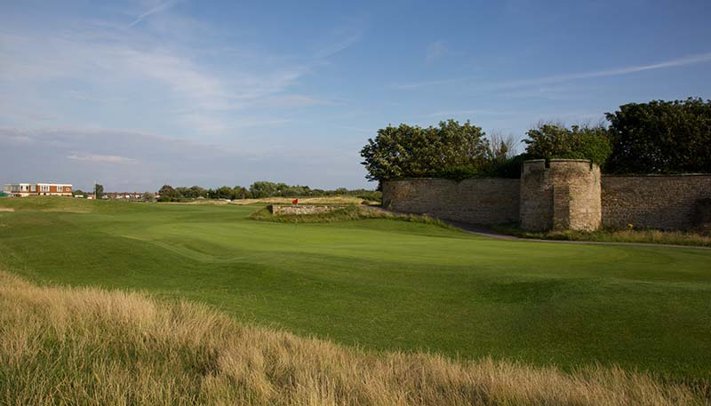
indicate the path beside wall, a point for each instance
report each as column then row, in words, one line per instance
column 475, row 201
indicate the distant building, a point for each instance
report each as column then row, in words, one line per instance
column 38, row 189
column 124, row 195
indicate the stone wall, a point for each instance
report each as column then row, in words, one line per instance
column 536, row 196
column 562, row 195
column 576, row 194
column 663, row 202
column 475, row 201
column 300, row 209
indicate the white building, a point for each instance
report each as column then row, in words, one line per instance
column 38, row 189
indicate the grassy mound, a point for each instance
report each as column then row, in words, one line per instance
column 57, row 204
column 307, row 200
column 90, row 346
column 346, row 213
column 49, row 204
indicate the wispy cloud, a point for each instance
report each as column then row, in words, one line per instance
column 545, row 80
column 83, row 155
column 110, row 66
column 338, row 46
column 157, row 9
column 345, row 36
column 98, row 158
column 626, row 70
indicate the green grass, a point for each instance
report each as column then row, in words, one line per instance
column 384, row 284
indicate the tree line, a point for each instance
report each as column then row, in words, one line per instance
column 258, row 190
column 654, row 137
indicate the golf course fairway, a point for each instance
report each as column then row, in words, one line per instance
column 384, row 284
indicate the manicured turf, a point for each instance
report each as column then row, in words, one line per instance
column 384, row 284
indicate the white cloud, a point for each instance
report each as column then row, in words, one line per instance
column 157, row 9
column 340, row 40
column 85, row 96
column 98, row 158
column 83, row 155
column 112, row 65
column 625, row 70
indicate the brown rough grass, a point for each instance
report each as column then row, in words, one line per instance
column 642, row 236
column 89, row 346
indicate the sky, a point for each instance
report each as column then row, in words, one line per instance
column 140, row 93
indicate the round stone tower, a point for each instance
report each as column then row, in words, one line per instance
column 564, row 194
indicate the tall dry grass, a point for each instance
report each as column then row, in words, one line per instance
column 644, row 236
column 88, row 346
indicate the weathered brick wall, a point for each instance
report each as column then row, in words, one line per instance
column 576, row 194
column 536, row 196
column 664, row 202
column 475, row 201
column 568, row 194
column 301, row 209
column 563, row 195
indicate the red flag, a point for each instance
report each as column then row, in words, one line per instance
column 295, row 201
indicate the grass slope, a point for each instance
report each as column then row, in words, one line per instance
column 87, row 346
column 385, row 285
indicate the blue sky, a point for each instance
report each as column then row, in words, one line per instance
column 135, row 94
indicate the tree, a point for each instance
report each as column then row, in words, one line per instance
column 197, row 191
column 240, row 192
column 661, row 137
column 184, row 192
column 192, row 192
column 148, row 197
column 168, row 194
column 501, row 148
column 263, row 189
column 412, row 151
column 224, row 192
column 78, row 192
column 98, row 190
column 502, row 159
column 552, row 140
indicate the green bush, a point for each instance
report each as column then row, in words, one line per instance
column 508, row 168
column 548, row 141
column 413, row 151
column 458, row 173
column 661, row 137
